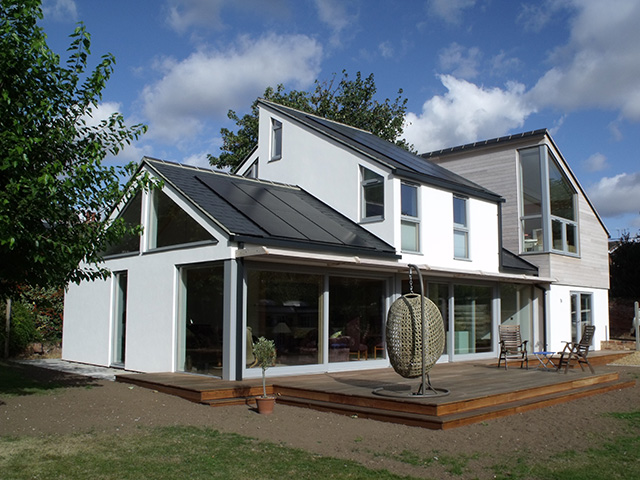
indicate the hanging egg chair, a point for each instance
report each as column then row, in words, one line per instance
column 415, row 339
column 405, row 338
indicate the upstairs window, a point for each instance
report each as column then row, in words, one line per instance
column 252, row 171
column 174, row 226
column 276, row 139
column 460, row 228
column 410, row 220
column 549, row 219
column 131, row 216
column 372, row 195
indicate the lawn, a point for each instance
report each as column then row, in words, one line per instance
column 199, row 452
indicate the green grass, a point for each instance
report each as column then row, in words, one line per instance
column 14, row 381
column 169, row 453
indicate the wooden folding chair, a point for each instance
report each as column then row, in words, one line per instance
column 511, row 346
column 578, row 351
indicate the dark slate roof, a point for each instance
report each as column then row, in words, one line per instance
column 269, row 213
column 402, row 163
column 512, row 263
column 485, row 143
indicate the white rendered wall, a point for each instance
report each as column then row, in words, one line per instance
column 152, row 310
column 559, row 314
column 87, row 322
column 152, row 303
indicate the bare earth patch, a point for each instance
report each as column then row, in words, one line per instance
column 101, row 407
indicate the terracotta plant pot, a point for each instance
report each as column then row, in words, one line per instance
column 265, row 405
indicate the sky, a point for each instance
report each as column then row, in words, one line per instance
column 471, row 70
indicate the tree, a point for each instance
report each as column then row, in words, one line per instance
column 624, row 268
column 350, row 102
column 55, row 191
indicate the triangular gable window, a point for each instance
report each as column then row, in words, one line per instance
column 174, row 226
column 131, row 215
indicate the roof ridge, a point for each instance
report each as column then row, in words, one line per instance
column 219, row 172
column 484, row 143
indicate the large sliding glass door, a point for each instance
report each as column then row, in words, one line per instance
column 473, row 325
column 516, row 308
column 316, row 318
column 201, row 335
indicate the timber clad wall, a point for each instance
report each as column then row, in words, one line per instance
column 497, row 169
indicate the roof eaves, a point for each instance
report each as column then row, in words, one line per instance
column 450, row 185
column 314, row 246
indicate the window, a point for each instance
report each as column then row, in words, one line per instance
column 372, row 195
column 173, row 226
column 252, row 171
column 131, row 217
column 410, row 221
column 549, row 218
column 460, row 228
column 276, row 139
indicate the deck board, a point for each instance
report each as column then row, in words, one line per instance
column 478, row 391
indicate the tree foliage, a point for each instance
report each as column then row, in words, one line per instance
column 625, row 268
column 348, row 101
column 55, row 191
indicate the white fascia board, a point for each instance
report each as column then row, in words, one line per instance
column 269, row 254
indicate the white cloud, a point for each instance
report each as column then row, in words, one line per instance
column 459, row 61
column 333, row 13
column 60, row 9
column 449, row 10
column 183, row 14
column 465, row 114
column 209, row 83
column 600, row 65
column 617, row 196
column 197, row 160
column 596, row 162
column 386, row 50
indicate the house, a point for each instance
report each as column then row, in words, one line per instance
column 308, row 243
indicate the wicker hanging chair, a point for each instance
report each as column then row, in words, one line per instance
column 405, row 336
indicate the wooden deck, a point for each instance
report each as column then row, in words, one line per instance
column 478, row 391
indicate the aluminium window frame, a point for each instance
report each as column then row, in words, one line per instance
column 364, row 185
column 461, row 228
column 414, row 221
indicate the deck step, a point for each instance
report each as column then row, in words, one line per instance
column 458, row 419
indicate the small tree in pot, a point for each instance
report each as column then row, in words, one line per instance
column 265, row 352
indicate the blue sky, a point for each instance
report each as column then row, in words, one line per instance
column 471, row 70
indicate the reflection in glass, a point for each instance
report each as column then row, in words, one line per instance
column 472, row 319
column 356, row 313
column 204, row 320
column 286, row 307
column 174, row 226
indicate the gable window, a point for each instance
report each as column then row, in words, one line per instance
column 174, row 226
column 549, row 218
column 410, row 220
column 460, row 228
column 372, row 195
column 276, row 139
column 131, row 217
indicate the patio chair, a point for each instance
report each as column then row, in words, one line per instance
column 578, row 351
column 511, row 346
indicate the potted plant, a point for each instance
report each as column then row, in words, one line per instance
column 265, row 353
